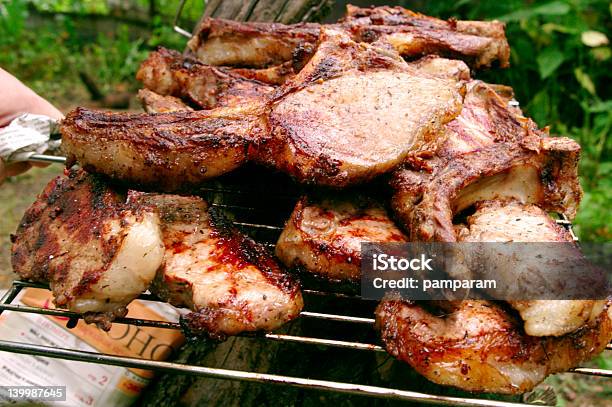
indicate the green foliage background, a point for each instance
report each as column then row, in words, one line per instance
column 560, row 64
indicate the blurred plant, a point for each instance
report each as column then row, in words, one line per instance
column 12, row 19
column 48, row 51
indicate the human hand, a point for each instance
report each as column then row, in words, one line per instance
column 16, row 100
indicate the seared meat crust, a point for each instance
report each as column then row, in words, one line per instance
column 96, row 252
column 477, row 42
column 479, row 346
column 170, row 151
column 491, row 152
column 255, row 44
column 274, row 75
column 252, row 44
column 155, row 103
column 336, row 123
column 168, row 72
column 324, row 236
column 231, row 283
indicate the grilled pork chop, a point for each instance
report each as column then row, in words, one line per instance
column 97, row 252
column 477, row 42
column 511, row 221
column 169, row 73
column 255, row 44
column 231, row 283
column 155, row 103
column 491, row 152
column 479, row 346
column 324, row 236
column 353, row 112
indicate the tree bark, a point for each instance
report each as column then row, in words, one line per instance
column 282, row 11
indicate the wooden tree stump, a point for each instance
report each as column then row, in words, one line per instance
column 282, row 11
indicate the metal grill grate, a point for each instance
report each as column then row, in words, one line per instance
column 252, row 213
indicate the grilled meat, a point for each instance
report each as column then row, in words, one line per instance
column 274, row 75
column 477, row 42
column 254, row 44
column 167, row 72
column 491, row 152
column 324, row 236
column 510, row 221
column 336, row 123
column 169, row 151
column 231, row 283
column 533, row 275
column 97, row 252
column 479, row 346
column 155, row 103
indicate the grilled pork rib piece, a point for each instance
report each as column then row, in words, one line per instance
column 353, row 112
column 491, row 152
column 96, row 252
column 255, row 44
column 252, row 44
column 554, row 270
column 231, row 283
column 324, row 236
column 479, row 346
column 167, row 150
column 477, row 42
column 156, row 103
column 169, row 73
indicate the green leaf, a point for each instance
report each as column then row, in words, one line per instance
column 549, row 60
column 538, row 107
column 552, row 27
column 554, row 8
column 600, row 107
column 585, row 80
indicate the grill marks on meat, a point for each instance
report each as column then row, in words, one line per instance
column 96, row 252
column 168, row 151
column 323, row 235
column 231, row 283
column 99, row 252
column 553, row 270
column 353, row 112
column 169, row 73
column 254, row 44
column 479, row 346
column 491, row 152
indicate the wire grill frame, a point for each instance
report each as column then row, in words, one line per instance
column 6, row 304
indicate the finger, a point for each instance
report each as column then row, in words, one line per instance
column 11, row 170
